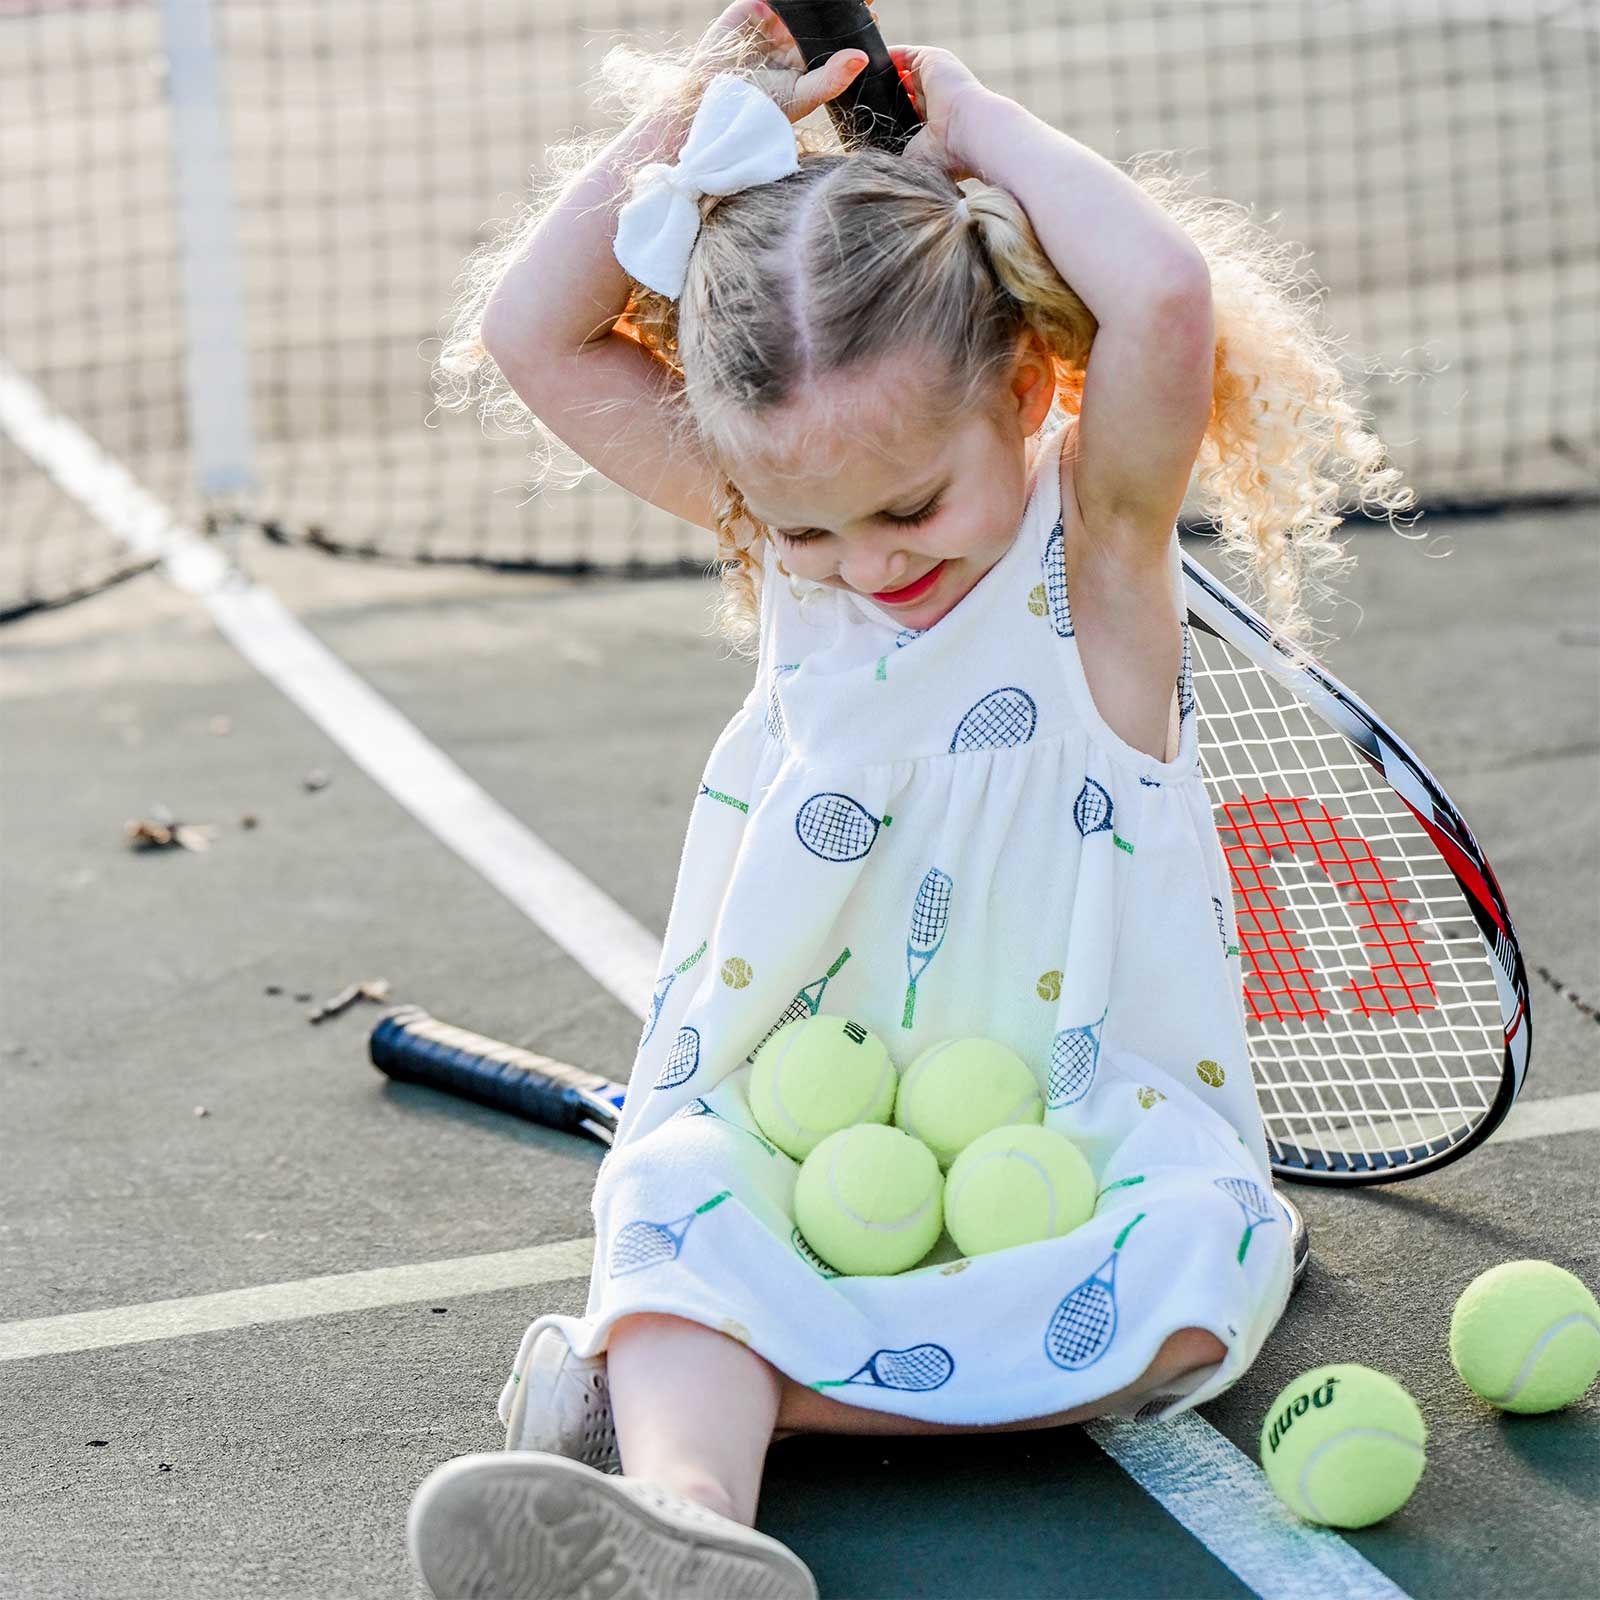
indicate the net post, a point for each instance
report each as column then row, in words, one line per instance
column 221, row 430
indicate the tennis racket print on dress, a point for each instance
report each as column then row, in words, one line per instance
column 930, row 916
column 664, row 988
column 807, row 1002
column 640, row 1245
column 708, row 793
column 922, row 1367
column 1074, row 1058
column 683, row 1059
column 836, row 827
column 1055, row 583
column 703, row 1108
column 776, row 727
column 1092, row 810
column 1254, row 1201
column 1084, row 1324
column 1003, row 718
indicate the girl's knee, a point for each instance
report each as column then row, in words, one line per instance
column 1187, row 1350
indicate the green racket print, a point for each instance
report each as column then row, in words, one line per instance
column 930, row 916
column 708, row 793
column 807, row 1002
column 663, row 988
column 639, row 1245
column 922, row 1367
column 1254, row 1201
column 1085, row 1323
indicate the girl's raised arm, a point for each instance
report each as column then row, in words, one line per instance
column 550, row 328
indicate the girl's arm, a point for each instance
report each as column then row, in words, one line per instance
column 549, row 327
column 1147, row 388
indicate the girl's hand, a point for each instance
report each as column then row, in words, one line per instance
column 796, row 92
column 945, row 93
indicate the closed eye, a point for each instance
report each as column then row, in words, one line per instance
column 916, row 519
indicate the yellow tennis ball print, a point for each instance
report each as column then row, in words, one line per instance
column 1037, row 603
column 736, row 972
column 1148, row 1097
column 1209, row 1072
column 1049, row 985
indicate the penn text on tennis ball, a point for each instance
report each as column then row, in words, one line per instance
column 961, row 1088
column 1344, row 1445
column 1525, row 1336
column 1014, row 1186
column 816, row 1075
column 869, row 1200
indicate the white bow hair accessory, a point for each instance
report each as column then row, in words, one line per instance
column 739, row 138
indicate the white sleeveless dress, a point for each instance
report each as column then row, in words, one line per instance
column 937, row 835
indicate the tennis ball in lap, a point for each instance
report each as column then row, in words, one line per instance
column 1525, row 1336
column 816, row 1075
column 869, row 1200
column 957, row 1090
column 1344, row 1445
column 1015, row 1186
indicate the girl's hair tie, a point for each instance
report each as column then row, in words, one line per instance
column 739, row 138
column 962, row 213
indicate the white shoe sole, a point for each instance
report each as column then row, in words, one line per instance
column 528, row 1526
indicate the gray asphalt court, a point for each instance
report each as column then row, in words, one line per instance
column 175, row 1128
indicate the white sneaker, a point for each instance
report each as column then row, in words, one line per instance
column 563, row 1405
column 530, row 1526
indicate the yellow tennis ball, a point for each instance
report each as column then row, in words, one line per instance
column 1015, row 1186
column 869, row 1200
column 954, row 1091
column 816, row 1075
column 1525, row 1336
column 1344, row 1445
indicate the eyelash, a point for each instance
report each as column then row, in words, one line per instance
column 915, row 520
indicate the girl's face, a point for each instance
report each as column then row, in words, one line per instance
column 911, row 520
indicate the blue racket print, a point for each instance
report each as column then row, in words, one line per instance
column 930, row 916
column 704, row 1108
column 1003, row 718
column 810, row 1256
column 1074, row 1057
column 639, row 1245
column 807, row 1002
column 1254, row 1201
column 1185, row 679
column 1092, row 811
column 1055, row 583
column 663, row 988
column 922, row 1367
column 683, row 1059
column 836, row 827
column 1085, row 1323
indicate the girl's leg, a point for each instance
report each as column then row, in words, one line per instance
column 803, row 1410
column 694, row 1410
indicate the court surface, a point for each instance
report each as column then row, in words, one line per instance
column 252, row 1293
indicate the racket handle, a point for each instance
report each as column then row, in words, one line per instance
column 411, row 1046
column 875, row 109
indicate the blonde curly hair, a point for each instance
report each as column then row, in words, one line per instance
column 856, row 257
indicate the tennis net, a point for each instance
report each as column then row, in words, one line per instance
column 1439, row 158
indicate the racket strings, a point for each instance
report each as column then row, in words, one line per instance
column 1372, row 1009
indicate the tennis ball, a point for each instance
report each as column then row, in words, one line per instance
column 869, row 1200
column 1526, row 1336
column 816, row 1075
column 1344, row 1445
column 954, row 1091
column 1016, row 1186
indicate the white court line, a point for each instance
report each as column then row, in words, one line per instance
column 1211, row 1488
column 1561, row 1113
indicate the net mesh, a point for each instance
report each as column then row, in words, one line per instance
column 1438, row 158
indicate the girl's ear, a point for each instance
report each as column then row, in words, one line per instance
column 1033, row 382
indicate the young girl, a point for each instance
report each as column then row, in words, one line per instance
column 942, row 435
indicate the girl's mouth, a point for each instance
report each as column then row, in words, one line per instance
column 912, row 591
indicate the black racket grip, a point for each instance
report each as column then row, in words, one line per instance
column 875, row 109
column 411, row 1046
